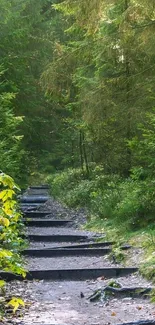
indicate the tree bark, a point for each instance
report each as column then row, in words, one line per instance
column 128, row 88
column 81, row 150
column 85, row 153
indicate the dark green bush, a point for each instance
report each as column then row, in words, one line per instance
column 130, row 201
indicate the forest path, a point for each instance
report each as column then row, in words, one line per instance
column 68, row 265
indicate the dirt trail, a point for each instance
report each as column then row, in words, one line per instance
column 67, row 302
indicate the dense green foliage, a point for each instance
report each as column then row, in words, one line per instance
column 103, row 74
column 77, row 96
column 29, row 125
column 77, row 86
column 129, row 203
column 10, row 144
column 77, row 91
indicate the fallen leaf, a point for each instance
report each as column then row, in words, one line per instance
column 113, row 314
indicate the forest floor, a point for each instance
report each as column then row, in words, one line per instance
column 67, row 302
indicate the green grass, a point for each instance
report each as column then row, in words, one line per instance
column 120, row 234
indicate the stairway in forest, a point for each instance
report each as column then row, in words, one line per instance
column 63, row 257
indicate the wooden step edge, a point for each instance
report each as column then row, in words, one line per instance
column 56, row 238
column 41, row 222
column 66, row 252
column 84, row 245
column 36, row 214
column 140, row 322
column 35, row 200
column 70, row 274
column 39, row 212
column 39, row 187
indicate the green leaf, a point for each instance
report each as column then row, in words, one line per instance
column 15, row 303
column 2, row 283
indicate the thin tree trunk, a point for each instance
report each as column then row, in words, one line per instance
column 127, row 72
column 72, row 149
column 85, row 153
column 81, row 150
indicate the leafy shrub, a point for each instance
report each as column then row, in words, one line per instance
column 11, row 152
column 148, row 268
column 10, row 227
column 129, row 201
column 10, row 240
column 104, row 202
column 80, row 195
column 64, row 181
column 97, row 192
column 136, row 204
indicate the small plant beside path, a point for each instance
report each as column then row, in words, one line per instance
column 11, row 243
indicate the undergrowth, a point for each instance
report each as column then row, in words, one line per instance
column 124, row 209
column 11, row 243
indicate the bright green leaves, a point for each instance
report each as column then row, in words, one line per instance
column 10, row 227
column 6, row 194
column 2, row 283
column 6, row 180
column 15, row 303
column 5, row 253
column 4, row 222
column 10, row 241
column 8, row 207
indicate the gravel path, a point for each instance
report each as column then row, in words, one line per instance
column 68, row 309
column 60, row 212
column 43, row 245
column 57, row 231
column 61, row 303
column 73, row 262
column 66, row 302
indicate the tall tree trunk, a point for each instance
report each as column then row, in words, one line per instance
column 128, row 88
column 81, row 150
column 72, row 153
column 85, row 153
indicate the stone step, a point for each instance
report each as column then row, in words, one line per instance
column 46, row 223
column 69, row 262
column 70, row 274
column 66, row 252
